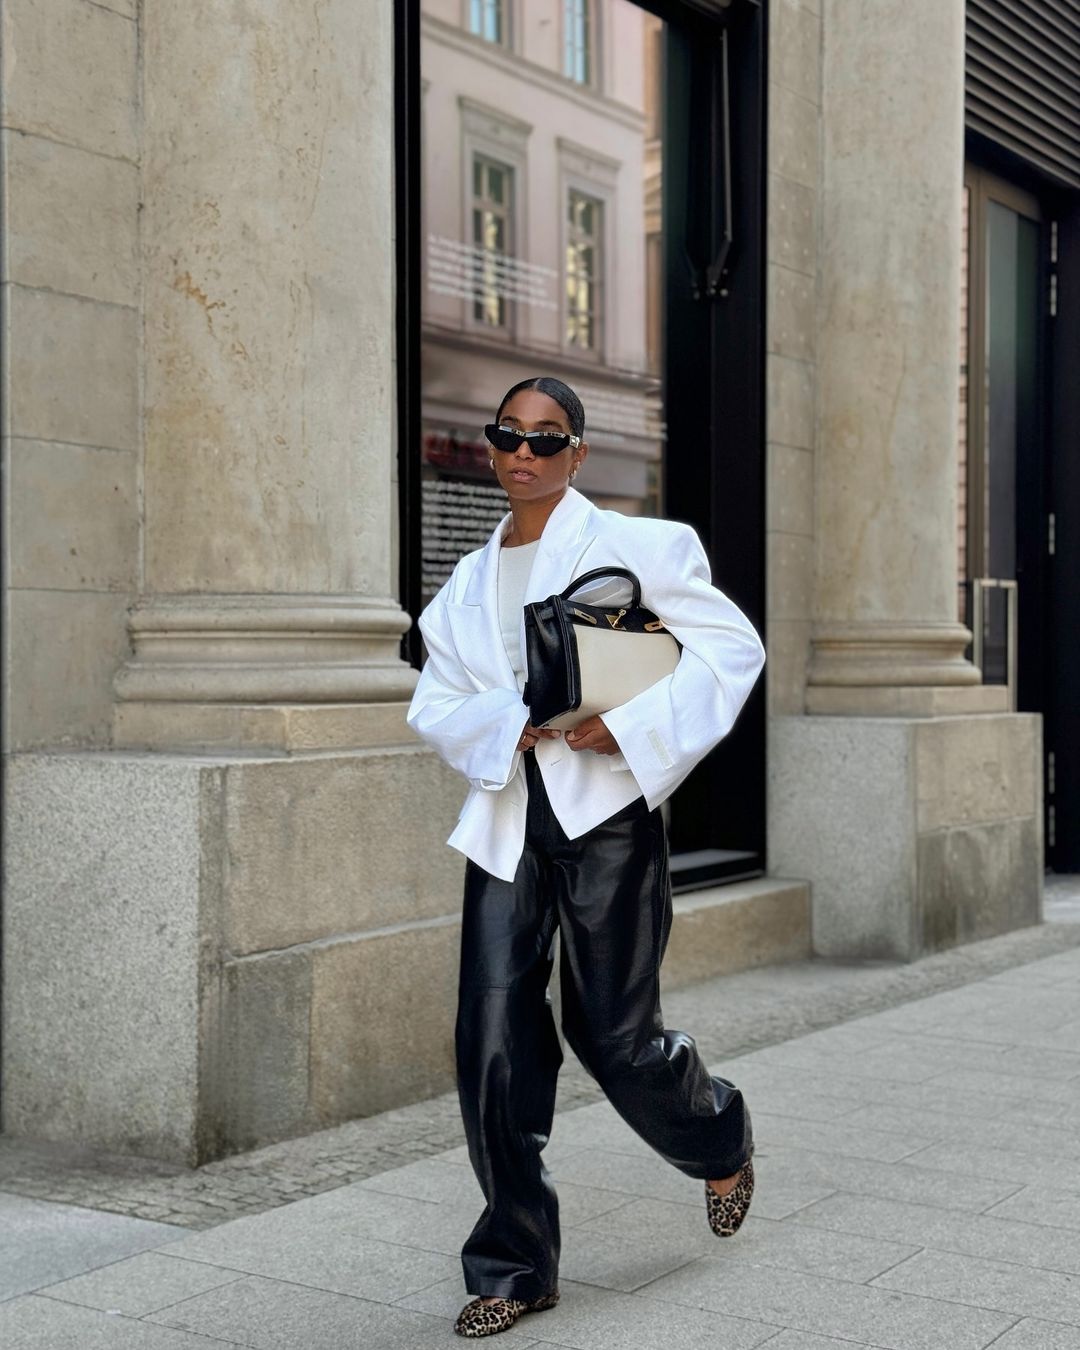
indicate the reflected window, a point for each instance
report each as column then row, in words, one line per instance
column 577, row 42
column 487, row 19
column 492, row 188
column 583, row 270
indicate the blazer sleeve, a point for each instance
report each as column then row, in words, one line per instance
column 664, row 731
column 475, row 731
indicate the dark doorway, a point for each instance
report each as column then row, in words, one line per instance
column 584, row 197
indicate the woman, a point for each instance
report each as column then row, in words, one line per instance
column 565, row 831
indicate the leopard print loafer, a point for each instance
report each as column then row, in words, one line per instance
column 726, row 1212
column 485, row 1319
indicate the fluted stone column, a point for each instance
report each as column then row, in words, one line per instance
column 885, row 637
column 268, row 610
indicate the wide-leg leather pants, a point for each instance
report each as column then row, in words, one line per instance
column 609, row 893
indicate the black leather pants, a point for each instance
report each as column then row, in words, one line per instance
column 609, row 893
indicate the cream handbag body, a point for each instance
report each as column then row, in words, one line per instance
column 585, row 659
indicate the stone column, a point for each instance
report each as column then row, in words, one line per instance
column 886, row 638
column 267, row 613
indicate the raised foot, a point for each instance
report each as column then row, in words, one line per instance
column 727, row 1210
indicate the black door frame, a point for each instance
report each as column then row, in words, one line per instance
column 714, row 468
column 1052, row 542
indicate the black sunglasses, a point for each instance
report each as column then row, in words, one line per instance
column 539, row 442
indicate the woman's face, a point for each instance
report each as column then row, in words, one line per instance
column 522, row 475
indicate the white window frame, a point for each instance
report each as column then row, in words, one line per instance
column 596, row 29
column 596, row 175
column 511, row 24
column 491, row 133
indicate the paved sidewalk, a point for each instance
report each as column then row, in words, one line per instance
column 919, row 1189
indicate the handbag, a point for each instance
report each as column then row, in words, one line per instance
column 585, row 659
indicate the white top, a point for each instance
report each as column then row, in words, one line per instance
column 515, row 564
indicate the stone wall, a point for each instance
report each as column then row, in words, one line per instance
column 71, row 286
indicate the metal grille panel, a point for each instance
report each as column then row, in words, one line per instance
column 1022, row 86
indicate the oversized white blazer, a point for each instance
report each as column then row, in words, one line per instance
column 468, row 706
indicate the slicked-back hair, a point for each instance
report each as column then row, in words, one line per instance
column 563, row 395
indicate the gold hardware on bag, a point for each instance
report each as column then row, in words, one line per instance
column 654, row 627
column 613, row 619
column 582, row 615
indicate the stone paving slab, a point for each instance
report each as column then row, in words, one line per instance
column 42, row 1243
column 912, row 1220
column 729, row 1017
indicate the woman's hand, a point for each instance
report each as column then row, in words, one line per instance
column 592, row 734
column 530, row 735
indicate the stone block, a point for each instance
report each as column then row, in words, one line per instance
column 736, row 927
column 789, row 582
column 74, row 369
column 72, row 219
column 793, row 136
column 375, row 1042
column 790, row 505
column 62, row 648
column 791, row 322
column 255, row 1054
column 791, row 237
column 788, row 644
column 843, row 795
column 795, row 48
column 979, row 880
column 978, row 769
column 78, row 517
column 789, row 402
column 839, row 813
column 101, row 936
column 317, row 847
column 70, row 73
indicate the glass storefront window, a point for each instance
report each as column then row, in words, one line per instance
column 537, row 191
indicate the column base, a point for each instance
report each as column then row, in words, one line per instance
column 282, row 672
column 281, row 727
column 878, row 700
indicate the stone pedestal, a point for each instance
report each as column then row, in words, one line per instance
column 215, row 952
column 919, row 833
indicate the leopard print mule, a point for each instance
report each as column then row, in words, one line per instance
column 726, row 1212
column 485, row 1319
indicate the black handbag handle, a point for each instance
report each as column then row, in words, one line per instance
column 578, row 582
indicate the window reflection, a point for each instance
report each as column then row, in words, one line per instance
column 584, row 271
column 543, row 247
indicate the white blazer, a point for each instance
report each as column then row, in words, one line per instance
column 467, row 704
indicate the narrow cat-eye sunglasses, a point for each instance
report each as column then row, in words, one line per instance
column 539, row 442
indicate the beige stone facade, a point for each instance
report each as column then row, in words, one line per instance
column 229, row 915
